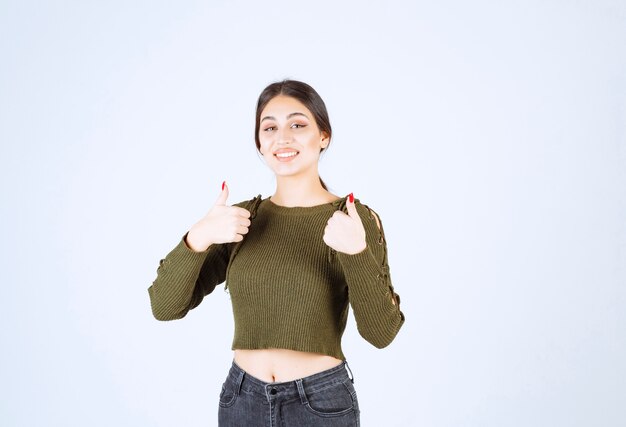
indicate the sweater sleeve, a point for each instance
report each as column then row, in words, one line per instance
column 375, row 305
column 185, row 277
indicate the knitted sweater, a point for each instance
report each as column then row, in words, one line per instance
column 288, row 289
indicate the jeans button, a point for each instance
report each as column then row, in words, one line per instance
column 273, row 391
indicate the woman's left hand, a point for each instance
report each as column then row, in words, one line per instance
column 345, row 233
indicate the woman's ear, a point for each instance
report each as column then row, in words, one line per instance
column 325, row 140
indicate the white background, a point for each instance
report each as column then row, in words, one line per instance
column 489, row 136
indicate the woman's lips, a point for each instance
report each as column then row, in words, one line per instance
column 286, row 156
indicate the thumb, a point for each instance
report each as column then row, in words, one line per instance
column 221, row 200
column 351, row 207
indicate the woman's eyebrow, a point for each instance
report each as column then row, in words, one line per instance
column 296, row 114
column 290, row 115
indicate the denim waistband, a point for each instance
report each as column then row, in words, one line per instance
column 242, row 380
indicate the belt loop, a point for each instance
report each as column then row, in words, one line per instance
column 349, row 370
column 301, row 392
column 239, row 381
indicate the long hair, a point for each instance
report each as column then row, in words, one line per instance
column 303, row 93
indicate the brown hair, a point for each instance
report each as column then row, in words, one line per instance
column 303, row 93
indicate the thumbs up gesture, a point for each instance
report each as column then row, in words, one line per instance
column 222, row 224
column 345, row 233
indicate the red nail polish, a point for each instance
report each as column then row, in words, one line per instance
column 223, row 184
column 351, row 197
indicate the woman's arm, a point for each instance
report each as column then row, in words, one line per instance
column 185, row 277
column 375, row 305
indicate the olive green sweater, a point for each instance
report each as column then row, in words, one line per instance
column 288, row 288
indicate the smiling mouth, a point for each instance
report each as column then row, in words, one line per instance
column 283, row 155
column 288, row 155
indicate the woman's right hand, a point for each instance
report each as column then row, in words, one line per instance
column 222, row 224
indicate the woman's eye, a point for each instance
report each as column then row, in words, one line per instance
column 297, row 125
column 269, row 128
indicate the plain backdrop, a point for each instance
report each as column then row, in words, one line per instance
column 489, row 136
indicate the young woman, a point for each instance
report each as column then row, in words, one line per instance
column 293, row 263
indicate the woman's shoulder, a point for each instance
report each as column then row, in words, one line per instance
column 246, row 202
column 366, row 211
column 250, row 204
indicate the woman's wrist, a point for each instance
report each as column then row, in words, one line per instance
column 192, row 245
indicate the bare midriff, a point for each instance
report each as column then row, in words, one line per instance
column 279, row 365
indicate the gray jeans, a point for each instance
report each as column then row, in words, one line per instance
column 327, row 398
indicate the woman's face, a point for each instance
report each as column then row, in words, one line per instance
column 289, row 137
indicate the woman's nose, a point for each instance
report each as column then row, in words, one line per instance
column 284, row 136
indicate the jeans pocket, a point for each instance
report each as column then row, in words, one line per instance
column 227, row 395
column 335, row 400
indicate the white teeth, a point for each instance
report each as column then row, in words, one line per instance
column 284, row 155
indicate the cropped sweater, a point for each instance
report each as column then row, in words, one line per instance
column 288, row 288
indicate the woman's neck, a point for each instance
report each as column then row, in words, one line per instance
column 291, row 191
